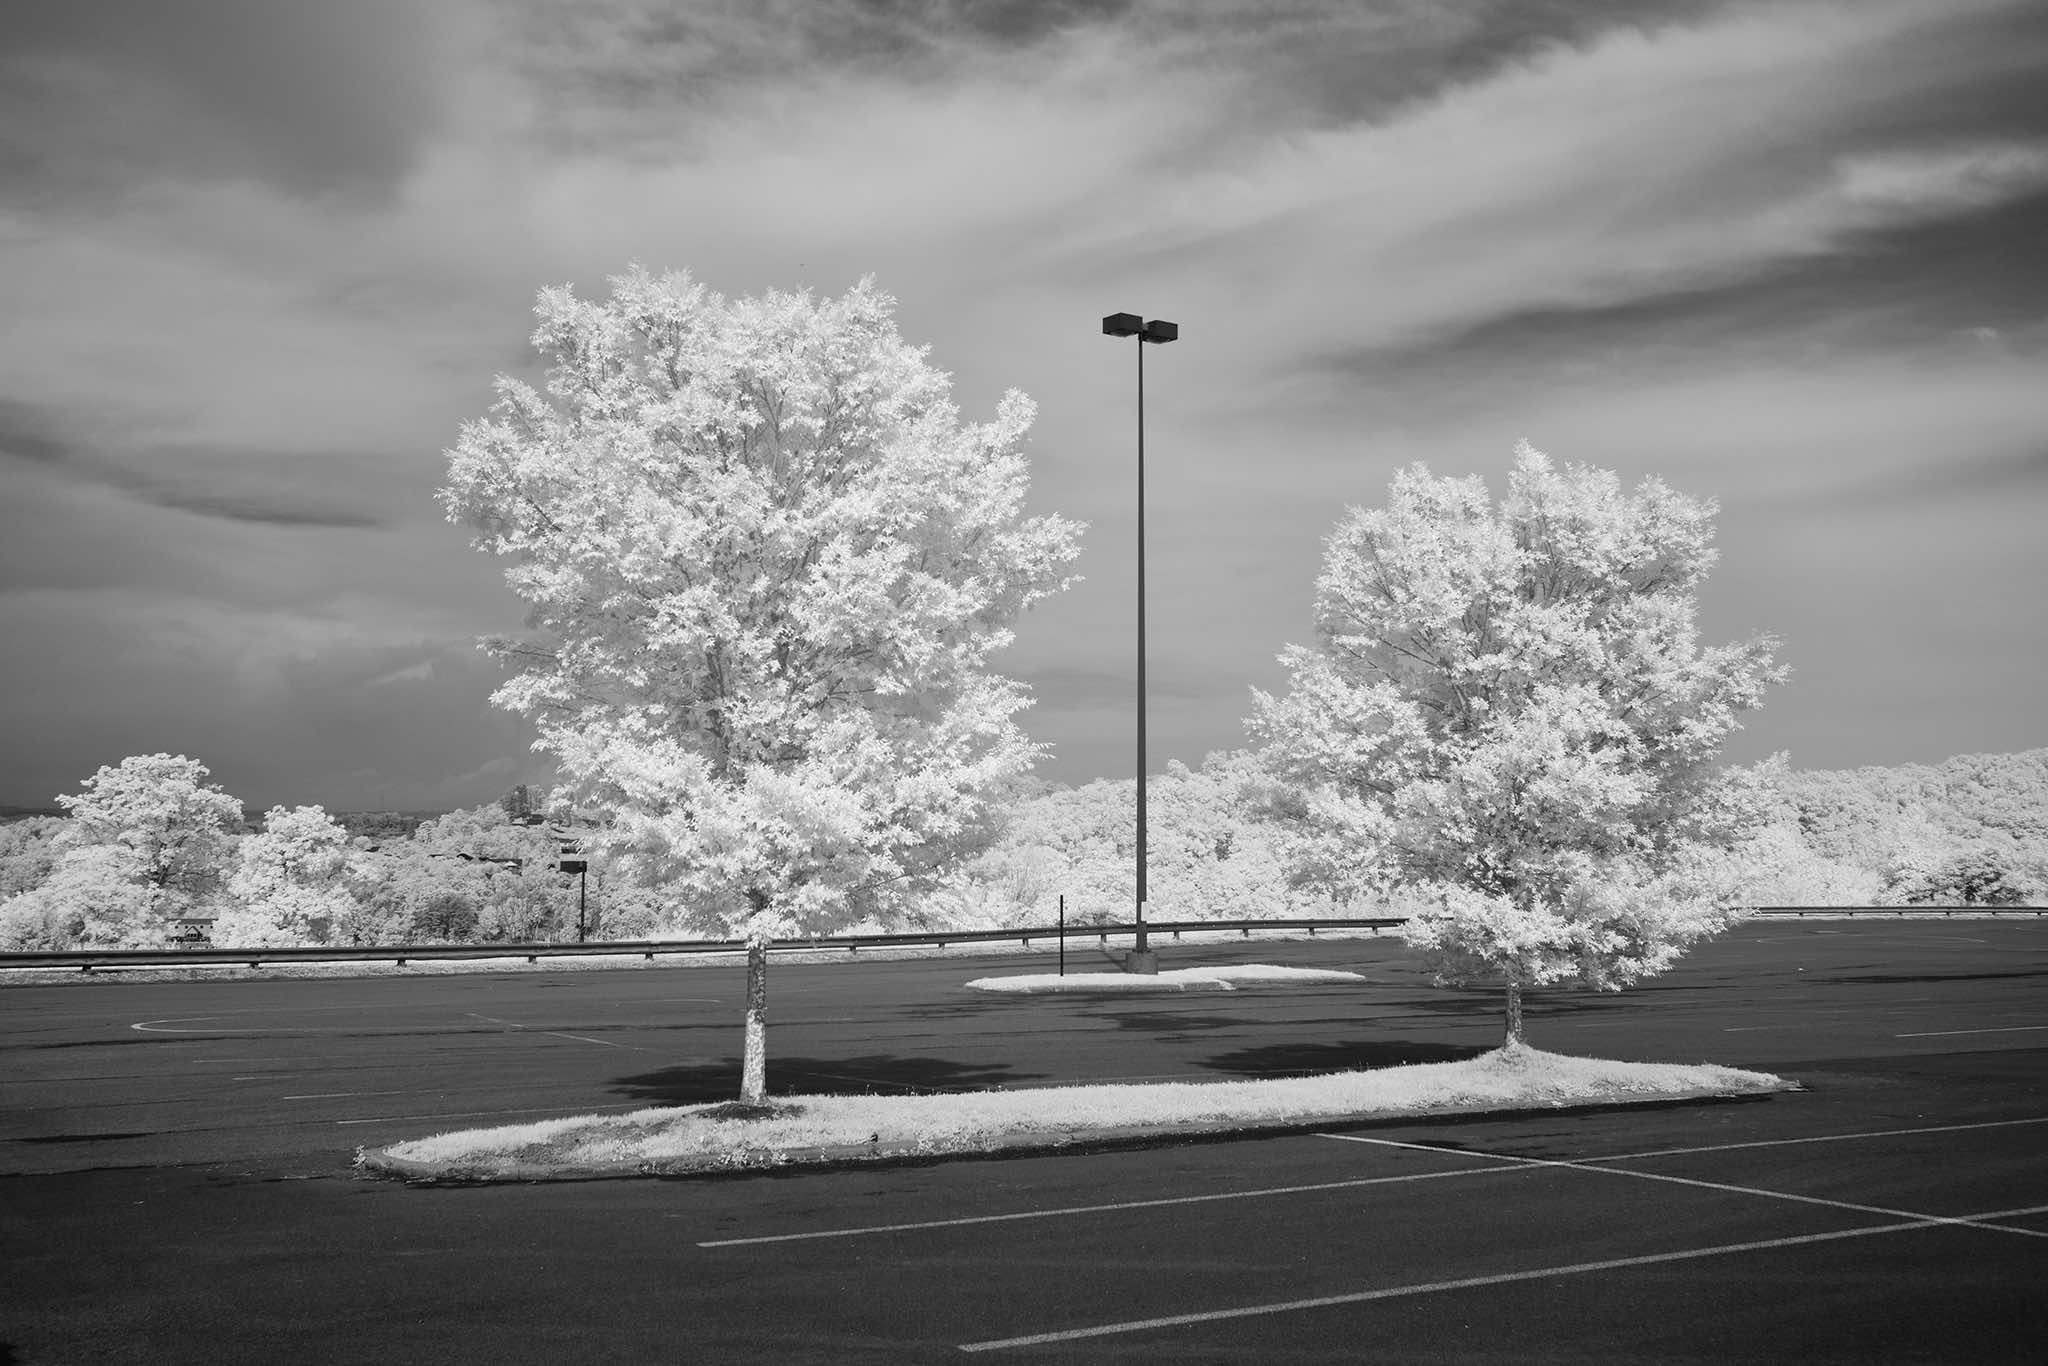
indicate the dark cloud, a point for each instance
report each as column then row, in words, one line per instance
column 1974, row 279
column 277, row 509
column 348, row 723
column 29, row 432
column 264, row 486
column 1329, row 61
column 1336, row 63
column 314, row 97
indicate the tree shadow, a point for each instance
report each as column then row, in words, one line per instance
column 1911, row 978
column 1281, row 1060
column 876, row 1074
column 1167, row 1021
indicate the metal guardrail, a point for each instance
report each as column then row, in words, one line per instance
column 87, row 959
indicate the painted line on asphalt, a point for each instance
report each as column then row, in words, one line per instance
column 1941, row 1033
column 554, row 1033
column 857, row 1231
column 583, row 1038
column 1472, row 1282
column 334, row 1095
column 1209, row 1198
column 474, row 1114
column 1817, row 1138
column 1668, row 1179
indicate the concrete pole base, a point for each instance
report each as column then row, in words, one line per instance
column 1144, row 962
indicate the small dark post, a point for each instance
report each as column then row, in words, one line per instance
column 1063, row 934
column 580, row 867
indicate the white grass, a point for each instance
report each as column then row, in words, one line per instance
column 1178, row 979
column 849, row 1127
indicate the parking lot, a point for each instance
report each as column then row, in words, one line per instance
column 180, row 1188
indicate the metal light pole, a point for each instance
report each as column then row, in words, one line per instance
column 1142, row 959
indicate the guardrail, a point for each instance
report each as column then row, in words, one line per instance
column 87, row 959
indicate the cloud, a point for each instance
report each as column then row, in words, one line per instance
column 312, row 98
column 27, row 432
column 262, row 260
column 274, row 701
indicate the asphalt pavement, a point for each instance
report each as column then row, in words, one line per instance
column 174, row 1170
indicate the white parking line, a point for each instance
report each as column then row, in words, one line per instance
column 1819, row 1138
column 861, row 1230
column 1940, row 1033
column 473, row 1114
column 1099, row 1209
column 1470, row 1282
column 1596, row 1166
column 554, row 1033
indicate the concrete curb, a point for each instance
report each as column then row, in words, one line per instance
column 380, row 1162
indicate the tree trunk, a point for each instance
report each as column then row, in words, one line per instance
column 1514, row 1031
column 754, row 1063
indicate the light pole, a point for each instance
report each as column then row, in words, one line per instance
column 1142, row 958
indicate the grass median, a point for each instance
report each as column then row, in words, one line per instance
column 841, row 1129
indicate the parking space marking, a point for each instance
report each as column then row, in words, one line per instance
column 1501, row 1278
column 1062, row 1211
column 1163, row 1202
column 1816, row 1138
column 1942, row 1033
column 473, row 1114
column 554, row 1033
column 1597, row 1166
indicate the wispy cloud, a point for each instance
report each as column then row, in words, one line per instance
column 261, row 261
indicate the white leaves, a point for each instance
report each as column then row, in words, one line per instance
column 161, row 809
column 290, row 880
column 766, row 565
column 1510, row 704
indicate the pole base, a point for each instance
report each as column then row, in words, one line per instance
column 1144, row 962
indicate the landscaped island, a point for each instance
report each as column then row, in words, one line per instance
column 845, row 1129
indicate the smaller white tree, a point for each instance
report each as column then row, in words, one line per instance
column 289, row 883
column 96, row 896
column 1511, row 717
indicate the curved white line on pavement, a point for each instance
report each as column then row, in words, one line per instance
column 163, row 1026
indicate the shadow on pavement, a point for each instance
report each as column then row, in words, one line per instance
column 1280, row 1060
column 883, row 1074
column 1167, row 1021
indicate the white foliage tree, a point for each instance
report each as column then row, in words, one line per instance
column 177, row 829
column 1510, row 710
column 766, row 566
column 96, row 896
column 289, row 884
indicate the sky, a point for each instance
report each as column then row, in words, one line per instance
column 261, row 258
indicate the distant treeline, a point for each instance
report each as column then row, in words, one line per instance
column 142, row 862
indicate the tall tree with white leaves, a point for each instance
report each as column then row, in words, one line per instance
column 1509, row 712
column 176, row 829
column 766, row 565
